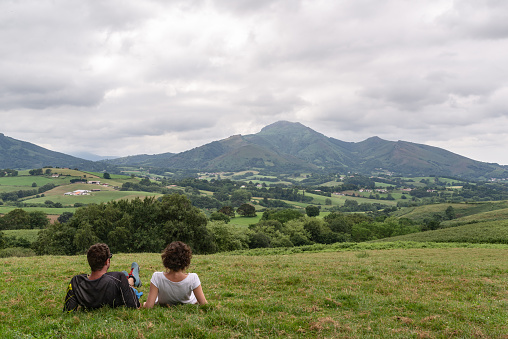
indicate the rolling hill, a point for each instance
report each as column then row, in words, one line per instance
column 17, row 154
column 286, row 146
column 282, row 147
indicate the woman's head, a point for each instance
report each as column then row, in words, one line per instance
column 176, row 256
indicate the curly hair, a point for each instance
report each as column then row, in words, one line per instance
column 97, row 256
column 177, row 256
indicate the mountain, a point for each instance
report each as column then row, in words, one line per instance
column 282, row 147
column 287, row 146
column 91, row 156
column 16, row 154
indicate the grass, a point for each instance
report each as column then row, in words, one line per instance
column 420, row 213
column 500, row 214
column 4, row 209
column 493, row 232
column 244, row 222
column 30, row 235
column 395, row 293
column 104, row 195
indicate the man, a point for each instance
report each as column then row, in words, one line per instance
column 101, row 287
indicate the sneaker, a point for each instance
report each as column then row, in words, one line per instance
column 135, row 274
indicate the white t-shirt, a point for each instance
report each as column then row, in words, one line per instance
column 174, row 293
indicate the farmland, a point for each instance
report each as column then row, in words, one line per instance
column 62, row 183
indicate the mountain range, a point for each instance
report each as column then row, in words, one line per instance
column 281, row 147
column 17, row 154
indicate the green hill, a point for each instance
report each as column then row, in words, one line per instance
column 17, row 154
column 463, row 211
column 488, row 232
column 291, row 147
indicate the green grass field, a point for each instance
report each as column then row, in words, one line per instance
column 500, row 214
column 30, row 235
column 462, row 210
column 492, row 232
column 93, row 198
column 48, row 210
column 244, row 222
column 359, row 293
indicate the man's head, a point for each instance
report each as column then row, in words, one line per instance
column 98, row 256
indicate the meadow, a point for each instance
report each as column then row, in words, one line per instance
column 493, row 232
column 361, row 291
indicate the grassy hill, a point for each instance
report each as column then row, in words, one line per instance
column 63, row 185
column 489, row 232
column 463, row 211
column 359, row 293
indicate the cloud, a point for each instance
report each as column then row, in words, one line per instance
column 166, row 76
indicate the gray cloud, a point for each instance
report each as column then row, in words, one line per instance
column 159, row 76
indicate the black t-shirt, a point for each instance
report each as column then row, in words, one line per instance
column 111, row 289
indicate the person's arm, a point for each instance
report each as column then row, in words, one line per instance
column 152, row 296
column 130, row 298
column 200, row 296
column 71, row 304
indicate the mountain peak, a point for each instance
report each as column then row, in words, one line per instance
column 283, row 124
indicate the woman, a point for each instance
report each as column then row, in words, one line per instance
column 174, row 286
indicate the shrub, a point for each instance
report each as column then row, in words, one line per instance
column 16, row 252
column 228, row 238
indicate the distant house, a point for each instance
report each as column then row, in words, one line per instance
column 78, row 192
column 94, row 182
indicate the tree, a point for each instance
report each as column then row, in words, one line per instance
column 227, row 210
column 314, row 227
column 240, row 197
column 227, row 238
column 136, row 225
column 84, row 238
column 450, row 213
column 145, row 181
column 64, row 217
column 57, row 239
column 2, row 240
column 16, row 219
column 220, row 216
column 339, row 223
column 312, row 211
column 328, row 201
column 106, row 175
column 36, row 171
column 38, row 219
column 259, row 240
column 351, row 205
column 246, row 210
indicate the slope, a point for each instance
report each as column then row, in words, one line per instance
column 16, row 154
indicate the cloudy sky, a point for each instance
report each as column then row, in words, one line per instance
column 132, row 77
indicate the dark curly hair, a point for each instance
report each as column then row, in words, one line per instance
column 97, row 256
column 176, row 256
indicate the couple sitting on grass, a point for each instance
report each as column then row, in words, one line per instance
column 103, row 288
